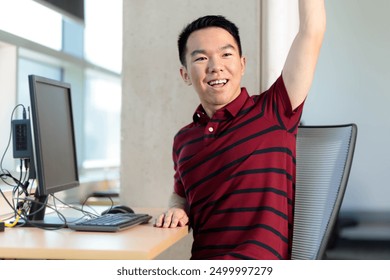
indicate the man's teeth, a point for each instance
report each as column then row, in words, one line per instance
column 217, row 82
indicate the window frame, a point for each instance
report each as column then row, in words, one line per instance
column 69, row 63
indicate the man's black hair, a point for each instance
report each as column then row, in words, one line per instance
column 204, row 22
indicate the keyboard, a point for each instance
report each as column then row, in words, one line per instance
column 111, row 222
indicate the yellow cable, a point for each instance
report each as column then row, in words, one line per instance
column 14, row 223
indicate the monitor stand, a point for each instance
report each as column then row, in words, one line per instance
column 39, row 218
column 50, row 221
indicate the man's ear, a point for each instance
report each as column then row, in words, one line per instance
column 243, row 65
column 185, row 76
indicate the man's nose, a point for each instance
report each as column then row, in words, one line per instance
column 215, row 65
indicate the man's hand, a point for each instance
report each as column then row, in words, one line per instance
column 174, row 217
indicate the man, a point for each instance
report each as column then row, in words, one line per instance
column 235, row 163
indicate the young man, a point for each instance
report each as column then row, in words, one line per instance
column 235, row 163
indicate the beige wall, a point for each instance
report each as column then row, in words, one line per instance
column 352, row 85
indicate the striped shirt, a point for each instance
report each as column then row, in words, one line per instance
column 237, row 173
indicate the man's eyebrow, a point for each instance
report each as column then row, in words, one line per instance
column 228, row 46
column 196, row 52
column 201, row 51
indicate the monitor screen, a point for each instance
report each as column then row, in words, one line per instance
column 53, row 138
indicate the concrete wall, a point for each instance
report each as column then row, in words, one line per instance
column 156, row 102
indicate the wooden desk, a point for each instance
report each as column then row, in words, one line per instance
column 141, row 242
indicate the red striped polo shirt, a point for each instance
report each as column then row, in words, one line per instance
column 237, row 173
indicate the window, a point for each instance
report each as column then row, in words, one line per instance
column 88, row 56
column 33, row 22
column 102, row 118
column 103, row 33
column 26, row 67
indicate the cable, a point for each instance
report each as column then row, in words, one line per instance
column 32, row 223
column 84, row 204
column 9, row 139
column 15, row 222
column 29, row 222
column 21, row 201
column 19, row 185
column 86, row 213
column 6, row 200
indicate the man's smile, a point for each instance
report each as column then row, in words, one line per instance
column 221, row 82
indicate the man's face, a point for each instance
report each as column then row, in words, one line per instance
column 214, row 67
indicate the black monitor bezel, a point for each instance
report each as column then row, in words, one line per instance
column 42, row 188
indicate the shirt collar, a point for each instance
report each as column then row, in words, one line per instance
column 235, row 106
column 232, row 109
column 200, row 115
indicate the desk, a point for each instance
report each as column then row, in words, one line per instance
column 141, row 242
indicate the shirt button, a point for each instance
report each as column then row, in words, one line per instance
column 211, row 129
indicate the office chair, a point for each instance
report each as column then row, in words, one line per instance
column 323, row 163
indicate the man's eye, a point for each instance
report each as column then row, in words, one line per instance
column 227, row 54
column 200, row 58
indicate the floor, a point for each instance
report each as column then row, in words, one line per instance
column 363, row 236
column 359, row 250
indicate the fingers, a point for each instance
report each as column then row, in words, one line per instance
column 159, row 220
column 172, row 218
column 167, row 220
column 183, row 221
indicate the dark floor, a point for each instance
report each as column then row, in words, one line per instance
column 362, row 236
column 345, row 249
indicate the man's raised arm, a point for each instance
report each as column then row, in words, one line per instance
column 298, row 71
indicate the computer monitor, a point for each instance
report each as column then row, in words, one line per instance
column 54, row 142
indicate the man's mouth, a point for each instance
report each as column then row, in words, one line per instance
column 218, row 82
